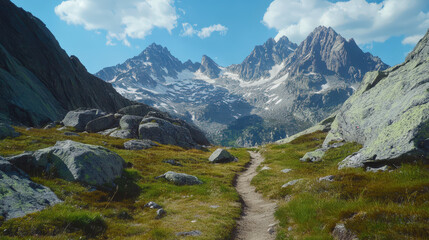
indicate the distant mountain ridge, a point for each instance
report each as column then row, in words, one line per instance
column 289, row 86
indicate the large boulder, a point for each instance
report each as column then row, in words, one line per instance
column 181, row 178
column 102, row 123
column 7, row 131
column 124, row 134
column 73, row 161
column 388, row 114
column 130, row 122
column 164, row 132
column 221, row 156
column 19, row 195
column 79, row 118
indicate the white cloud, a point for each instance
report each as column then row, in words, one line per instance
column 412, row 40
column 189, row 30
column 365, row 22
column 121, row 19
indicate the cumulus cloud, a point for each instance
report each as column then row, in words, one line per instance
column 121, row 19
column 189, row 30
column 364, row 21
column 412, row 40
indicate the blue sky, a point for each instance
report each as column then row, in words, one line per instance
column 103, row 33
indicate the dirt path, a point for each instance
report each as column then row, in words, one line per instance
column 258, row 215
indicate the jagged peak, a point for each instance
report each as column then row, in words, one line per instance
column 421, row 50
column 206, row 60
column 155, row 49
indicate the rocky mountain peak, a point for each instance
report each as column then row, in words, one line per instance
column 421, row 50
column 326, row 52
column 209, row 67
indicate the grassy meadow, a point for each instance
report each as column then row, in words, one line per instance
column 211, row 208
column 384, row 205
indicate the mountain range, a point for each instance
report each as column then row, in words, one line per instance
column 280, row 89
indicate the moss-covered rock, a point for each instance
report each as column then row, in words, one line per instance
column 19, row 195
column 389, row 114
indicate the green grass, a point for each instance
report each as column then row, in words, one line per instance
column 120, row 213
column 387, row 205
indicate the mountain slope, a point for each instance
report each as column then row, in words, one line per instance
column 35, row 66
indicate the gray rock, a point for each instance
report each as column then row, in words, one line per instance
column 389, row 113
column 24, row 161
column 265, row 168
column 102, row 123
column 139, row 144
column 124, row 134
column 351, row 161
column 291, row 183
column 160, row 213
column 136, row 110
column 79, row 118
column 286, row 170
column 180, row 178
column 107, row 132
column 221, row 156
column 7, row 131
column 173, row 162
column 329, row 178
column 130, row 122
column 190, row 233
column 314, row 156
column 80, row 162
column 19, row 195
column 152, row 205
column 71, row 134
column 50, row 125
column 380, row 169
column 164, row 132
column 340, row 232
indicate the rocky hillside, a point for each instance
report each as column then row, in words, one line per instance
column 389, row 113
column 39, row 82
column 288, row 87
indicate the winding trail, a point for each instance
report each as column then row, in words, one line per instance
column 257, row 222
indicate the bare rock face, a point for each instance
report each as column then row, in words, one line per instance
column 221, row 156
column 19, row 195
column 389, row 113
column 32, row 64
column 78, row 119
column 209, row 67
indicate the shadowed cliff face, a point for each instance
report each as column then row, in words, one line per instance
column 39, row 81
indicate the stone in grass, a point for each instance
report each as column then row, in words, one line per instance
column 286, row 170
column 160, row 213
column 19, row 195
column 265, row 168
column 380, row 169
column 74, row 161
column 190, row 233
column 314, row 156
column 152, row 205
column 139, row 144
column 340, row 232
column 291, row 183
column 124, row 134
column 173, row 162
column 221, row 156
column 329, row 178
column 79, row 118
column 180, row 178
column 71, row 134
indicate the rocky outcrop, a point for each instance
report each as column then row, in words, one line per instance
column 389, row 113
column 102, row 123
column 19, row 195
column 164, row 132
column 73, row 161
column 32, row 64
column 221, row 156
column 131, row 123
column 209, row 68
column 78, row 119
column 180, row 178
column 7, row 131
